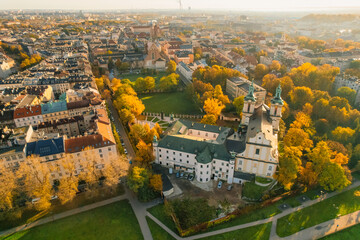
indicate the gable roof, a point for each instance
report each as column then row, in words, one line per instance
column 27, row 111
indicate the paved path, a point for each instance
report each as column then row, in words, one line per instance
column 140, row 212
column 63, row 215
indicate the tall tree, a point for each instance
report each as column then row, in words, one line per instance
column 171, row 67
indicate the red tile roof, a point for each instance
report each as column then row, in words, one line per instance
column 27, row 111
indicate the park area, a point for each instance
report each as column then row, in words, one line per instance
column 339, row 205
column 113, row 221
column 174, row 102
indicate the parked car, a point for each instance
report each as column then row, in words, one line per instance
column 186, row 175
column 229, row 187
column 178, row 174
column 35, row 200
column 191, row 177
column 182, row 174
column 54, row 197
column 170, row 171
column 219, row 184
column 123, row 144
column 125, row 151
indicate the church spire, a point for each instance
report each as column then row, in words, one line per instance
column 250, row 96
column 277, row 99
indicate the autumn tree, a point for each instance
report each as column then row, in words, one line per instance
column 290, row 166
column 300, row 95
column 35, row 177
column 144, row 84
column 7, row 187
column 347, row 93
column 209, row 119
column 297, row 137
column 169, row 82
column 68, row 184
column 156, row 182
column 275, row 66
column 213, row 106
column 239, row 51
column 144, row 152
column 130, row 102
column 171, row 67
column 260, row 71
column 343, row 134
column 239, row 104
column 137, row 178
column 116, row 168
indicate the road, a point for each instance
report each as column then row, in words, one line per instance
column 121, row 130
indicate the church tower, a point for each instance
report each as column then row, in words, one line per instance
column 275, row 109
column 249, row 105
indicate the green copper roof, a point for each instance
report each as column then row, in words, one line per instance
column 204, row 157
column 250, row 96
column 277, row 99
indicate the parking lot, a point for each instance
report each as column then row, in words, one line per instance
column 209, row 191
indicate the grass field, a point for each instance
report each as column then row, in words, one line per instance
column 159, row 212
column 259, row 232
column 176, row 102
column 349, row 233
column 157, row 232
column 253, row 191
column 80, row 200
column 114, row 221
column 341, row 204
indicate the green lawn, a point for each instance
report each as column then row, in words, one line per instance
column 253, row 191
column 80, row 200
column 114, row 221
column 259, row 232
column 157, row 232
column 341, row 204
column 263, row 180
column 348, row 233
column 159, row 212
column 176, row 102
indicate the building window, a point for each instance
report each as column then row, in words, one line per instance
column 187, row 156
column 159, row 150
column 270, row 167
column 160, row 155
column 201, row 173
column 180, row 154
column 100, row 150
column 187, row 161
column 201, row 166
column 222, row 164
column 257, row 152
column 240, row 162
column 198, row 132
column 268, row 174
column 207, row 179
column 200, row 179
column 174, row 159
column 167, row 151
column 173, row 153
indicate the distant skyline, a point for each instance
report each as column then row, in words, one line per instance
column 234, row 5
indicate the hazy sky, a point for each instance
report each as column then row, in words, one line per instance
column 173, row 4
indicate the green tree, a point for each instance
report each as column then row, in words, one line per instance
column 169, row 82
column 239, row 104
column 171, row 67
column 347, row 93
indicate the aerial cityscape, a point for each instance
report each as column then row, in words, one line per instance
column 179, row 119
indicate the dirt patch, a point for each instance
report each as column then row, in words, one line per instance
column 214, row 196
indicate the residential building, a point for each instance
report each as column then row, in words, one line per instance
column 239, row 86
